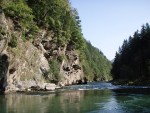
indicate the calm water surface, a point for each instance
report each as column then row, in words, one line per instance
column 91, row 98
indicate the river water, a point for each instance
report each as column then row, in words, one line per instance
column 97, row 97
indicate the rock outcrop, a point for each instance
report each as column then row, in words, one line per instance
column 71, row 69
column 24, row 66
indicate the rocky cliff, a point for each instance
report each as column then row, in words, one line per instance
column 25, row 64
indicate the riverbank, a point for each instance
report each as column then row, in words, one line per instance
column 45, row 87
column 137, row 82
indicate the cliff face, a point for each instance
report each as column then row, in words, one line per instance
column 26, row 64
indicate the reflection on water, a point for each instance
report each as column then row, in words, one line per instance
column 77, row 101
column 64, row 102
column 21, row 103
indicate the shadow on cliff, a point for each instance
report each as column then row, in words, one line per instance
column 3, row 71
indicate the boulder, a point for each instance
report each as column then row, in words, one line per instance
column 50, row 87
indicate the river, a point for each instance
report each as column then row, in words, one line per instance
column 100, row 97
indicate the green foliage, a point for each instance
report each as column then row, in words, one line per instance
column 19, row 11
column 56, row 15
column 61, row 58
column 76, row 35
column 95, row 64
column 53, row 15
column 132, row 59
column 54, row 70
column 21, row 15
column 13, row 41
column 77, row 39
column 51, row 22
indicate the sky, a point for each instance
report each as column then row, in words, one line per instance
column 106, row 23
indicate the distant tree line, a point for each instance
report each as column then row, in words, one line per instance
column 132, row 61
column 96, row 66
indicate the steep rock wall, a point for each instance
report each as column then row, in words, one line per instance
column 24, row 66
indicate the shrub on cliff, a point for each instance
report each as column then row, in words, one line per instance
column 13, row 41
column 55, row 70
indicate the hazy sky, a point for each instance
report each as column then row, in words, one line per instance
column 106, row 23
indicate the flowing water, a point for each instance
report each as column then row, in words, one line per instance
column 97, row 97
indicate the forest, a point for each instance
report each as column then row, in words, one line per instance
column 132, row 61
